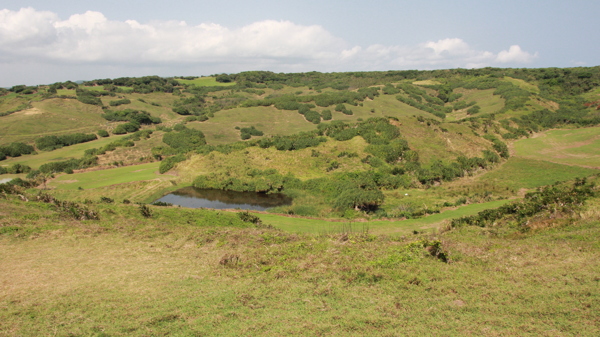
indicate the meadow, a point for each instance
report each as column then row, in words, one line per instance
column 189, row 272
column 85, row 252
column 580, row 147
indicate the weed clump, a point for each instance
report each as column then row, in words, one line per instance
column 145, row 211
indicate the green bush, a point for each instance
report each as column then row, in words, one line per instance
column 169, row 162
column 49, row 143
column 126, row 128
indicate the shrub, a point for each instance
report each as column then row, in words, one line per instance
column 145, row 211
column 15, row 150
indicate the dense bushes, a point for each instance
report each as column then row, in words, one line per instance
column 247, row 133
column 133, row 116
column 15, row 149
column 15, row 169
column 91, row 96
column 49, row 143
column 126, row 128
column 69, row 165
column 498, row 145
column 119, row 102
column 255, row 180
column 169, row 162
column 552, row 199
column 184, row 140
column 294, row 142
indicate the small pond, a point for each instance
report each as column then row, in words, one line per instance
column 193, row 197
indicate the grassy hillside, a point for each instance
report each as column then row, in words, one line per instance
column 446, row 202
column 206, row 272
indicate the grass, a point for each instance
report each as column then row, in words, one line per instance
column 526, row 173
column 65, row 153
column 396, row 227
column 51, row 117
column 205, row 82
column 579, row 147
column 103, row 178
column 523, row 84
column 221, row 128
column 301, row 163
column 173, row 274
column 487, row 101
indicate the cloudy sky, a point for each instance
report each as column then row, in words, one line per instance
column 49, row 41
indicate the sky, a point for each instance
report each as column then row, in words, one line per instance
column 43, row 42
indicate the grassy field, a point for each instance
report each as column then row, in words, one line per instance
column 51, row 117
column 102, row 178
column 523, row 84
column 65, row 153
column 196, row 272
column 221, row 128
column 579, row 147
column 205, row 82
column 487, row 101
column 394, row 227
column 519, row 173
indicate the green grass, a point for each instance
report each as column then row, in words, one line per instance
column 102, row 178
column 221, row 128
column 205, row 82
column 51, row 117
column 523, row 84
column 74, row 151
column 487, row 101
column 66, row 92
column 402, row 227
column 527, row 173
column 570, row 146
column 128, row 275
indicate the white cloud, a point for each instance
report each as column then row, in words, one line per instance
column 515, row 54
column 92, row 39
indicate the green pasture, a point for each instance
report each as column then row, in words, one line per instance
column 579, row 147
column 66, row 92
column 68, row 152
column 518, row 172
column 103, row 178
column 220, row 129
column 51, row 117
column 487, row 101
column 523, row 84
column 158, row 104
column 12, row 101
column 396, row 227
column 205, row 82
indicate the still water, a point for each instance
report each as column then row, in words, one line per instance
column 193, row 197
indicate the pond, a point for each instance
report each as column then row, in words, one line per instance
column 193, row 197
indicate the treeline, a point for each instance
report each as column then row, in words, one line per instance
column 49, row 143
column 142, row 85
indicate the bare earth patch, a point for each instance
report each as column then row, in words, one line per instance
column 32, row 111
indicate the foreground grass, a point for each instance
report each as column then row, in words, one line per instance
column 128, row 275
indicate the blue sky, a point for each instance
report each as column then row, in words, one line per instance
column 49, row 41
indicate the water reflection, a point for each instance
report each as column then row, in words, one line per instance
column 193, row 197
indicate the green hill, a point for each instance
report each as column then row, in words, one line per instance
column 445, row 202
